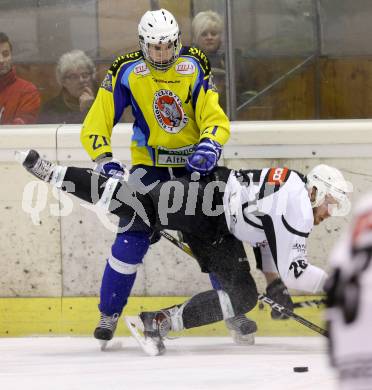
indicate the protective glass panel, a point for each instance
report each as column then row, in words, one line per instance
column 346, row 27
column 272, row 40
column 301, row 59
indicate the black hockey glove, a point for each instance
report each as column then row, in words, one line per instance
column 155, row 237
column 278, row 292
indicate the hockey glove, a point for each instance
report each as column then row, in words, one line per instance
column 278, row 292
column 112, row 167
column 155, row 237
column 205, row 157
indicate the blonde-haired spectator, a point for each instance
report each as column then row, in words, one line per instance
column 75, row 73
column 207, row 33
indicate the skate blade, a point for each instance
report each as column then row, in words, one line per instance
column 147, row 344
column 103, row 344
column 110, row 345
column 242, row 340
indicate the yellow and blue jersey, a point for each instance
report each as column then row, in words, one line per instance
column 173, row 109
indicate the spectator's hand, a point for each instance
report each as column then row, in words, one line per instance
column 205, row 157
column 278, row 292
column 113, row 168
column 86, row 99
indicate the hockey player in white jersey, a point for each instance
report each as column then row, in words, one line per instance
column 349, row 292
column 273, row 209
column 276, row 212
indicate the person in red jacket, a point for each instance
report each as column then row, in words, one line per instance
column 19, row 99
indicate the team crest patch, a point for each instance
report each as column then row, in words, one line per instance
column 107, row 82
column 168, row 111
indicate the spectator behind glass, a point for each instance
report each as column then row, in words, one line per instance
column 19, row 99
column 207, row 30
column 75, row 73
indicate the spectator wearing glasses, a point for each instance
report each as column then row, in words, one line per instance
column 19, row 99
column 75, row 73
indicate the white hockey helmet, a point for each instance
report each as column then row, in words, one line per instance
column 159, row 27
column 330, row 181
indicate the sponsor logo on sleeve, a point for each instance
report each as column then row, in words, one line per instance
column 141, row 69
column 169, row 112
column 300, row 248
column 185, row 67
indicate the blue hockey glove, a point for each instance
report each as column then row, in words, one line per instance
column 205, row 157
column 113, row 168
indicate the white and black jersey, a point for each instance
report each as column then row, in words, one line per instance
column 349, row 291
column 271, row 210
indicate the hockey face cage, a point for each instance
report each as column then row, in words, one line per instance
column 162, row 64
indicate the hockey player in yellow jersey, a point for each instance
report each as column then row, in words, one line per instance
column 172, row 95
column 179, row 127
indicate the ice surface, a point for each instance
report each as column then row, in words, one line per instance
column 191, row 363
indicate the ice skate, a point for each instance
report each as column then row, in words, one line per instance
column 242, row 329
column 149, row 329
column 34, row 164
column 105, row 329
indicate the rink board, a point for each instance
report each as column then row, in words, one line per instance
column 79, row 316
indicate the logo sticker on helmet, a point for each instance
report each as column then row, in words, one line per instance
column 168, row 111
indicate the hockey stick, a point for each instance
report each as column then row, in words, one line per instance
column 263, row 298
column 178, row 243
column 283, row 310
column 310, row 303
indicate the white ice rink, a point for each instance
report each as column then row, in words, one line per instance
column 190, row 363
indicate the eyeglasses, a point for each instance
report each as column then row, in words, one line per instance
column 76, row 77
